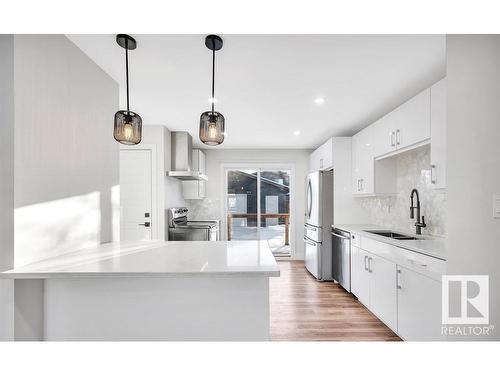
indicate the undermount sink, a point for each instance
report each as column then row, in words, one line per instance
column 390, row 234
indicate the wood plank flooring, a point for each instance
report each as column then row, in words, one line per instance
column 303, row 309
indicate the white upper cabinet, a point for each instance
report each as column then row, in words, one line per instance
column 322, row 158
column 407, row 125
column 412, row 120
column 370, row 176
column 195, row 189
column 362, row 162
column 438, row 134
column 384, row 137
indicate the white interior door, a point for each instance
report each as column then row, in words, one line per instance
column 136, row 195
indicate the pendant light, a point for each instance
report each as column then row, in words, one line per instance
column 128, row 125
column 212, row 128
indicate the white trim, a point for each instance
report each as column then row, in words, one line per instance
column 155, row 209
column 288, row 166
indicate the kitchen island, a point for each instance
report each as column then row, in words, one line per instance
column 197, row 290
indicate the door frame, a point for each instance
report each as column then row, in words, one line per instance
column 259, row 166
column 155, row 209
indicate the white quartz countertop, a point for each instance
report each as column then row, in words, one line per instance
column 427, row 245
column 157, row 259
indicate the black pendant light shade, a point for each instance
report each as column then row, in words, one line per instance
column 212, row 126
column 128, row 125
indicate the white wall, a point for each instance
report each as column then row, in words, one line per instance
column 6, row 151
column 66, row 160
column 210, row 207
column 6, row 183
column 473, row 71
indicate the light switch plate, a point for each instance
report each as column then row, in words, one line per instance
column 496, row 206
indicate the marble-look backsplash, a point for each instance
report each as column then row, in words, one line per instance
column 204, row 209
column 413, row 171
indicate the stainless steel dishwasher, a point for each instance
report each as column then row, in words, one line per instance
column 341, row 257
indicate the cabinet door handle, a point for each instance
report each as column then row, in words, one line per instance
column 146, row 224
column 392, row 139
column 398, row 283
column 370, row 264
column 362, row 184
column 433, row 177
column 366, row 267
column 320, row 163
column 398, row 141
column 358, row 184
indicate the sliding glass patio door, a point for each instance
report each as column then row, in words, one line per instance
column 258, row 206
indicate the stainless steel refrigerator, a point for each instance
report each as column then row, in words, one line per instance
column 318, row 223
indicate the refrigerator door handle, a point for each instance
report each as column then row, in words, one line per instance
column 309, row 199
column 310, row 227
column 309, row 242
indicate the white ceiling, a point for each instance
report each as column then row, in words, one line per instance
column 266, row 84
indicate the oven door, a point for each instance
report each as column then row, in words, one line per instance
column 188, row 234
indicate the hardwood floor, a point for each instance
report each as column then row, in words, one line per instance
column 303, row 309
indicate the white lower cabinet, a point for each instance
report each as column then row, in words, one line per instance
column 383, row 300
column 360, row 278
column 419, row 306
column 408, row 302
column 373, row 281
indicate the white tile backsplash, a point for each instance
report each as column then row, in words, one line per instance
column 204, row 209
column 413, row 171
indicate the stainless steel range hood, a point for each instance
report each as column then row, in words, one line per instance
column 182, row 158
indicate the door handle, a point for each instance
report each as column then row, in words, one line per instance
column 433, row 168
column 398, row 142
column 308, row 241
column 146, row 224
column 366, row 267
column 370, row 264
column 392, row 139
column 307, row 226
column 309, row 199
column 398, row 284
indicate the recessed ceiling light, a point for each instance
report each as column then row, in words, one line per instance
column 296, row 132
column 319, row 100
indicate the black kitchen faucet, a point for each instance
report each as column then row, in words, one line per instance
column 418, row 224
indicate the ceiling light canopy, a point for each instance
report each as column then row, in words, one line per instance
column 128, row 125
column 319, row 100
column 212, row 126
column 296, row 132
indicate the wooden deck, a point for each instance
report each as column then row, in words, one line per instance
column 303, row 309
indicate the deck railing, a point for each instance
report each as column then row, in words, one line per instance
column 232, row 216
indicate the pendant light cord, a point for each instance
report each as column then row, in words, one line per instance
column 126, row 70
column 213, row 77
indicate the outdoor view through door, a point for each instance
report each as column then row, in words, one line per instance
column 270, row 219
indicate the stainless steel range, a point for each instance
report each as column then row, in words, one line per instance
column 182, row 229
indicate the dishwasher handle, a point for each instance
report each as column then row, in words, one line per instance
column 340, row 236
